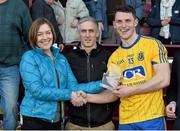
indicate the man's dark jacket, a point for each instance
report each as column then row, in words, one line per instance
column 88, row 68
column 173, row 91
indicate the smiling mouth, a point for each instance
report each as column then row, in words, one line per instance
column 124, row 30
column 47, row 42
column 87, row 40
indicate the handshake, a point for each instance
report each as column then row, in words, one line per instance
column 110, row 80
column 79, row 98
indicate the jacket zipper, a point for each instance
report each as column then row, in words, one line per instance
column 61, row 103
column 57, row 79
column 89, row 79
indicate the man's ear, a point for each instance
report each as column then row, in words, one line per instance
column 114, row 24
column 136, row 22
column 97, row 34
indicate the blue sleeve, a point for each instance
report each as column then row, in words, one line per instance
column 33, row 84
column 138, row 6
column 99, row 11
column 139, row 9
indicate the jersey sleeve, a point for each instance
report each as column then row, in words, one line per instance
column 159, row 53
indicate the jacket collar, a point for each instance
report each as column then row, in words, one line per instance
column 54, row 50
column 93, row 52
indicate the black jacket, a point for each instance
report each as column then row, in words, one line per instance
column 88, row 68
column 173, row 91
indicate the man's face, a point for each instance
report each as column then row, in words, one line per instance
column 125, row 25
column 88, row 34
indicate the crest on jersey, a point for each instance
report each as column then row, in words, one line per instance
column 141, row 56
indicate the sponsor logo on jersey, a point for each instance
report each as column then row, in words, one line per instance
column 131, row 73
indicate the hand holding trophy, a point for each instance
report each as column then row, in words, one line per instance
column 112, row 77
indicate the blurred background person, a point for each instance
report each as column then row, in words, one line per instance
column 173, row 93
column 98, row 10
column 138, row 6
column 42, row 8
column 67, row 13
column 164, row 20
column 113, row 36
column 15, row 21
column 145, row 28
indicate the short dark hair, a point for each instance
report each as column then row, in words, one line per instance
column 126, row 9
column 34, row 30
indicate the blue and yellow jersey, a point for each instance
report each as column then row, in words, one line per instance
column 136, row 63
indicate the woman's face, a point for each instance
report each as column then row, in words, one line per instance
column 44, row 37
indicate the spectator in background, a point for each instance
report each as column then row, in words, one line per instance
column 146, row 72
column 145, row 28
column 98, row 10
column 48, row 80
column 42, row 8
column 153, row 2
column 67, row 13
column 15, row 21
column 26, row 2
column 112, row 5
column 173, row 93
column 164, row 19
column 101, row 17
column 138, row 6
column 88, row 63
column 113, row 36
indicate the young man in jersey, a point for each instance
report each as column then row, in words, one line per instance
column 146, row 72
